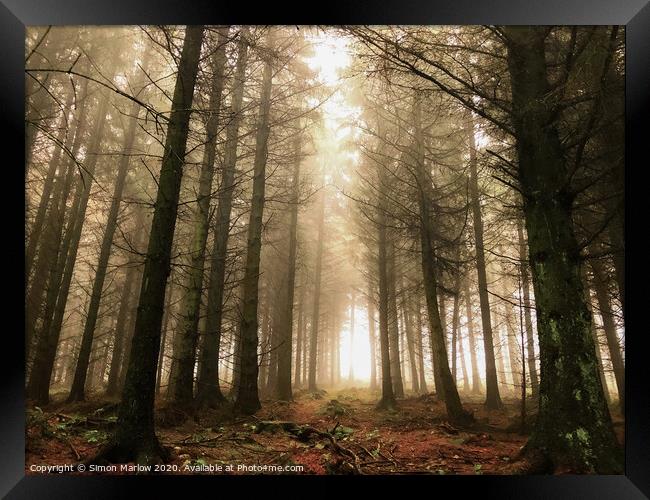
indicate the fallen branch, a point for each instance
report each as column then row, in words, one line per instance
column 303, row 432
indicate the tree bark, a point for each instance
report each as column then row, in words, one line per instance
column 420, row 347
column 492, row 398
column 515, row 357
column 208, row 389
column 476, row 376
column 455, row 410
column 525, row 285
column 410, row 344
column 454, row 330
column 187, row 335
column 286, row 333
column 573, row 425
column 300, row 334
column 607, row 316
column 594, row 331
column 124, row 308
column 387, row 400
column 315, row 317
column 393, row 323
column 266, row 341
column 372, row 340
column 463, row 362
column 247, row 401
column 351, row 367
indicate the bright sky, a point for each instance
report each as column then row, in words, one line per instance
column 360, row 351
column 331, row 57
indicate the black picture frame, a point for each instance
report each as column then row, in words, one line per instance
column 15, row 15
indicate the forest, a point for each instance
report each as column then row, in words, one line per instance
column 324, row 249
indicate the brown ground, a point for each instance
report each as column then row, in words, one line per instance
column 352, row 437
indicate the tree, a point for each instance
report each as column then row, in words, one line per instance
column 77, row 393
column 452, row 399
column 247, row 400
column 492, row 397
column 135, row 438
column 61, row 275
column 284, row 355
column 525, row 284
column 208, row 389
column 186, row 338
column 315, row 317
column 573, row 423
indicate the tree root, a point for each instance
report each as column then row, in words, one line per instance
column 149, row 452
column 386, row 404
column 531, row 461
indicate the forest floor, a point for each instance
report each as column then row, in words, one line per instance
column 328, row 432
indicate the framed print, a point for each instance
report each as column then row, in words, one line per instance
column 390, row 242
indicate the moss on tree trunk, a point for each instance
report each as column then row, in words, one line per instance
column 573, row 425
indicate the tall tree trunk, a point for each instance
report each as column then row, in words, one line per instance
column 393, row 324
column 37, row 95
column 125, row 307
column 286, row 340
column 270, row 384
column 525, row 285
column 476, row 376
column 499, row 353
column 130, row 329
column 387, row 400
column 573, row 425
column 247, row 401
column 331, row 339
column 420, row 347
column 322, row 350
column 516, row 358
column 442, row 305
column 594, row 331
column 163, row 339
column 50, row 253
column 337, row 345
column 77, row 393
column 266, row 341
column 351, row 367
column 463, row 362
column 315, row 317
column 63, row 137
column 607, row 316
column 135, row 439
column 455, row 410
column 54, row 225
column 187, row 335
column 492, row 397
column 410, row 345
column 61, row 276
column 454, row 330
column 372, row 341
column 305, row 355
column 236, row 361
column 208, row 389
column 300, row 334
